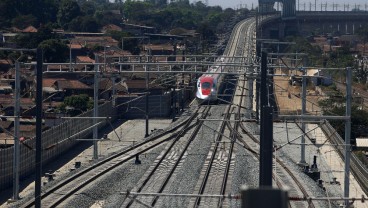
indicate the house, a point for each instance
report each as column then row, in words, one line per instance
column 137, row 29
column 7, row 104
column 110, row 27
column 320, row 77
column 92, row 41
column 139, row 86
column 159, row 49
column 362, row 143
column 6, row 140
column 76, row 49
column 5, row 65
column 106, row 88
column 65, row 87
column 112, row 55
column 30, row 29
column 87, row 60
column 5, row 90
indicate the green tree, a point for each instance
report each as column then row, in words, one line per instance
column 363, row 34
column 68, row 10
column 83, row 24
column 31, row 40
column 77, row 103
column 8, row 11
column 23, row 21
column 88, row 8
column 54, row 51
column 335, row 105
column 136, row 10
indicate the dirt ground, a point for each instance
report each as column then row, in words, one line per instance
column 288, row 97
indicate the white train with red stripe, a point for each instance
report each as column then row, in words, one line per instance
column 208, row 84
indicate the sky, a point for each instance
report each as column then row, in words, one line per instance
column 248, row 3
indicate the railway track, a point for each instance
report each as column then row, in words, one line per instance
column 156, row 179
column 216, row 172
column 66, row 188
column 220, row 160
column 283, row 176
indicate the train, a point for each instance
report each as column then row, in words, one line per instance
column 208, row 84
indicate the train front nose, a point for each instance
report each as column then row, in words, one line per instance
column 206, row 92
column 206, row 89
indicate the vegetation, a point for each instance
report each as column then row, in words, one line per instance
column 92, row 15
column 335, row 105
column 76, row 104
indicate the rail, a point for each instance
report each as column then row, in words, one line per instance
column 357, row 168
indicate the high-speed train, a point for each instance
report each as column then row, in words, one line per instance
column 208, row 84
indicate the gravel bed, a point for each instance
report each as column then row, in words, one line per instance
column 244, row 173
column 106, row 191
column 291, row 154
column 185, row 179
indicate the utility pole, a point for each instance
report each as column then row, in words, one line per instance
column 70, row 55
column 95, row 109
column 16, row 153
column 302, row 161
column 38, row 158
column 147, row 92
column 265, row 166
column 347, row 135
column 16, row 134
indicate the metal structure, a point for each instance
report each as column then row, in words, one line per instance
column 288, row 8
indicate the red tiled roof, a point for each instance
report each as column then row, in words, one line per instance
column 8, row 100
column 49, row 82
column 111, row 27
column 106, row 84
column 85, row 59
column 27, row 128
column 30, row 29
column 75, row 46
column 71, row 84
column 166, row 47
column 93, row 40
column 5, row 61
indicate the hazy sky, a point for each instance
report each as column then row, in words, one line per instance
column 248, row 3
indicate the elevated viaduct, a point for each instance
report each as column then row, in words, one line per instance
column 307, row 23
column 292, row 22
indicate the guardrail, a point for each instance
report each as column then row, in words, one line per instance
column 358, row 169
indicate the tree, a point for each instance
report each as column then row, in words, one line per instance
column 136, row 10
column 83, row 24
column 23, row 21
column 76, row 103
column 54, row 51
column 88, row 8
column 31, row 40
column 363, row 33
column 335, row 105
column 68, row 10
column 46, row 11
column 8, row 11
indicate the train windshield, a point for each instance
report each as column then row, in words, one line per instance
column 206, row 85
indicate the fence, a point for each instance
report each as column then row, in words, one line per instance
column 61, row 138
column 55, row 141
